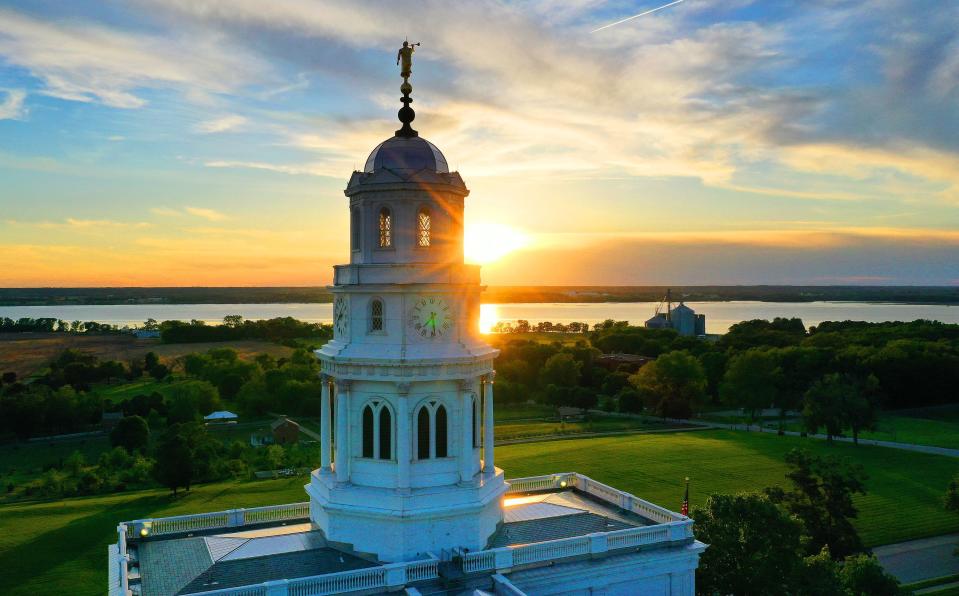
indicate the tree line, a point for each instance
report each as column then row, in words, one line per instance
column 837, row 375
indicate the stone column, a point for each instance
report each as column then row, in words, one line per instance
column 488, row 464
column 325, row 439
column 466, row 434
column 404, row 440
column 342, row 461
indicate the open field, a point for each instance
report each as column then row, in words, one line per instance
column 596, row 424
column 905, row 488
column 905, row 429
column 904, row 500
column 28, row 353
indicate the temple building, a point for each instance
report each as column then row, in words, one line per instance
column 408, row 498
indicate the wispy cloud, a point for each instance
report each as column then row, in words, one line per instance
column 201, row 212
column 166, row 212
column 12, row 108
column 205, row 213
column 230, row 122
column 83, row 61
column 321, row 169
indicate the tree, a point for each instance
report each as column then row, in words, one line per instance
column 821, row 497
column 750, row 381
column 562, row 370
column 9, row 378
column 824, row 405
column 150, row 361
column 111, row 369
column 952, row 495
column 174, row 462
column 159, row 372
column 861, row 409
column 754, row 546
column 132, row 433
column 837, row 402
column 674, row 384
column 862, row 574
column 192, row 399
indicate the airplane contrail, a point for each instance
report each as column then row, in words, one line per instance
column 636, row 16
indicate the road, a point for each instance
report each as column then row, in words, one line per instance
column 922, row 559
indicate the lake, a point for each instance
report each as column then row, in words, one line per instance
column 719, row 315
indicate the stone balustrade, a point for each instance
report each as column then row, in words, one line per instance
column 387, row 577
column 232, row 518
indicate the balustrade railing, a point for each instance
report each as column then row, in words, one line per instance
column 616, row 497
column 221, row 519
column 393, row 576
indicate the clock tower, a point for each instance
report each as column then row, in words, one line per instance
column 407, row 408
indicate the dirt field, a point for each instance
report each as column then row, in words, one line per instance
column 27, row 353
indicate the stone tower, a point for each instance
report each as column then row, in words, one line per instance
column 407, row 409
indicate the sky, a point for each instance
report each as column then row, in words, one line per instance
column 208, row 143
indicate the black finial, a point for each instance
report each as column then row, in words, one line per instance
column 406, row 113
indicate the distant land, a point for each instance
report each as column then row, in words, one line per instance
column 493, row 294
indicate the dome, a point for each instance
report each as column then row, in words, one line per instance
column 406, row 153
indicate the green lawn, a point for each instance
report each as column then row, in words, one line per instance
column 146, row 385
column 60, row 547
column 23, row 462
column 596, row 424
column 906, row 429
column 905, row 488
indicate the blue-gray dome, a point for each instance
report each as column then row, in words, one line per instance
column 406, row 153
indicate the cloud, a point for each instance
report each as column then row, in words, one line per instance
column 230, row 122
column 82, row 61
column 209, row 214
column 78, row 224
column 12, row 108
column 165, row 212
column 323, row 169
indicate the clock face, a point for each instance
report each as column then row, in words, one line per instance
column 431, row 317
column 340, row 316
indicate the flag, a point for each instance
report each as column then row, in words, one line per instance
column 685, row 507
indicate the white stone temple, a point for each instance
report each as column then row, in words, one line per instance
column 407, row 498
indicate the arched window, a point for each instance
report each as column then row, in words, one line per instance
column 423, row 227
column 376, row 315
column 386, row 228
column 441, row 433
column 355, row 228
column 386, row 434
column 367, row 431
column 423, row 434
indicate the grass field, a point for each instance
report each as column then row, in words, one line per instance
column 61, row 546
column 906, row 429
column 905, row 488
column 29, row 353
column 596, row 424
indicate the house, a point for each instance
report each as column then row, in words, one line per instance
column 285, row 431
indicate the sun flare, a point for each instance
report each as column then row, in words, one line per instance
column 487, row 242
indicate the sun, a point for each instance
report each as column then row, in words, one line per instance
column 487, row 242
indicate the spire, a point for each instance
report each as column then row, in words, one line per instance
column 406, row 113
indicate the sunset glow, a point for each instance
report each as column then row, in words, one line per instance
column 488, row 242
column 489, row 316
column 676, row 148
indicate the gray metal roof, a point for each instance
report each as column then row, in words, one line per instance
column 211, row 562
column 406, row 154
